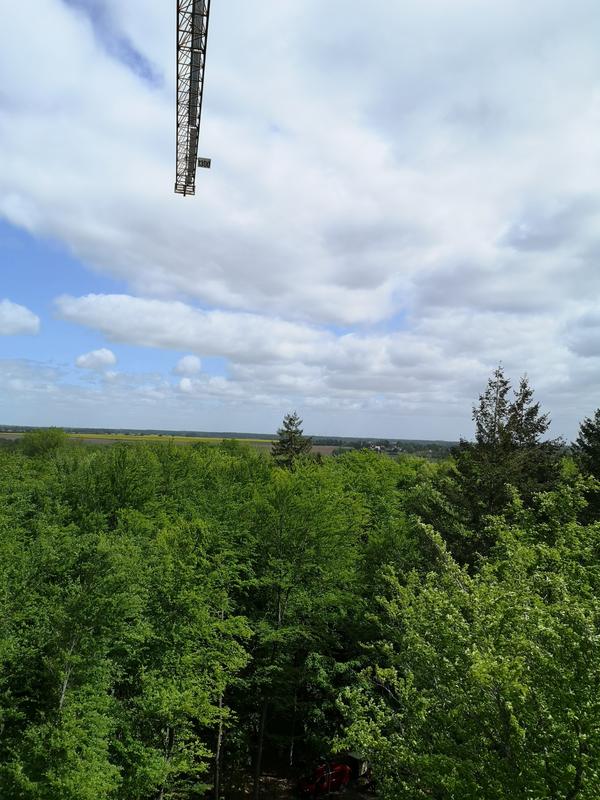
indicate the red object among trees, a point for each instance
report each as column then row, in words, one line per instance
column 326, row 778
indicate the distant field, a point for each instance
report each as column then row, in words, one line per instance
column 155, row 437
column 111, row 438
column 145, row 437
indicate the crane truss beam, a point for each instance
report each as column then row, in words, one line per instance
column 192, row 35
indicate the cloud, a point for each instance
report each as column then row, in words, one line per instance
column 16, row 319
column 188, row 365
column 97, row 360
column 432, row 369
column 277, row 359
column 400, row 197
column 327, row 201
column 175, row 325
column 115, row 42
column 584, row 335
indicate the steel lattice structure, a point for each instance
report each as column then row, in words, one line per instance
column 192, row 35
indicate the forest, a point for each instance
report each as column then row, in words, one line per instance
column 179, row 622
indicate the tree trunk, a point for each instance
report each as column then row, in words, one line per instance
column 169, row 741
column 578, row 780
column 65, row 683
column 259, row 752
column 218, row 750
column 293, row 739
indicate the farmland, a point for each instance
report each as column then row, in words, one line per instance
column 174, row 438
column 324, row 445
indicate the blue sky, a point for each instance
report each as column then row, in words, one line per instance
column 40, row 271
column 401, row 197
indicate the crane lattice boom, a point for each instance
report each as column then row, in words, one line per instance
column 192, row 34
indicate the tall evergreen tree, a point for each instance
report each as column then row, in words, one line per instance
column 492, row 414
column 292, row 442
column 586, row 450
column 586, row 447
column 509, row 450
column 526, row 424
column 482, row 472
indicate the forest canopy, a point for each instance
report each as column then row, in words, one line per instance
column 179, row 621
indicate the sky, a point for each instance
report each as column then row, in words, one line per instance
column 402, row 196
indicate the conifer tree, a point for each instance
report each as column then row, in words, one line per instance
column 526, row 425
column 492, row 413
column 586, row 448
column 509, row 450
column 292, row 442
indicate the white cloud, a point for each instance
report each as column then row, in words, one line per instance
column 175, row 325
column 188, row 365
column 97, row 360
column 400, row 197
column 270, row 357
column 327, row 201
column 435, row 367
column 16, row 319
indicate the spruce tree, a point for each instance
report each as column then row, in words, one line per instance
column 526, row 425
column 508, row 450
column 482, row 465
column 586, row 448
column 492, row 413
column 292, row 442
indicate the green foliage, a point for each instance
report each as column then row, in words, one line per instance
column 44, row 441
column 508, row 451
column 486, row 687
column 176, row 619
column 586, row 451
column 586, row 448
column 117, row 635
column 291, row 443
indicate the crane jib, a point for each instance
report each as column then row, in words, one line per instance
column 192, row 35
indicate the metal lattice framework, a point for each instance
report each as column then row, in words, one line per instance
column 192, row 35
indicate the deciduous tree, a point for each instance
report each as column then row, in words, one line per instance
column 486, row 686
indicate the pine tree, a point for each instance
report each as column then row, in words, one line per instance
column 291, row 443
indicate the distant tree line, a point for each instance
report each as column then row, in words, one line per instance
column 432, row 450
column 178, row 622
